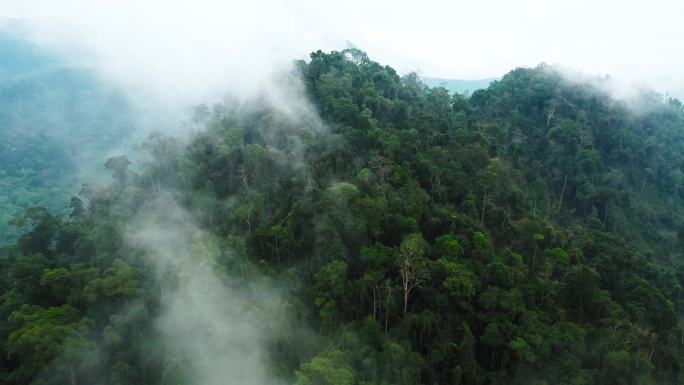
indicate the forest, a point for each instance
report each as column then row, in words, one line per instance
column 57, row 124
column 387, row 233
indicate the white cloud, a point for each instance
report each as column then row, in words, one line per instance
column 192, row 49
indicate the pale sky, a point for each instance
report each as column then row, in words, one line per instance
column 195, row 48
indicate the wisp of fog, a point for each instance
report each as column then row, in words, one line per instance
column 211, row 323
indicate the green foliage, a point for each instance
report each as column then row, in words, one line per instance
column 526, row 234
column 40, row 335
column 56, row 125
column 329, row 369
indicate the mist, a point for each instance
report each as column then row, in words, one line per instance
column 172, row 54
column 184, row 52
column 214, row 326
column 243, row 171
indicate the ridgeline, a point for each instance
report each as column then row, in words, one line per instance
column 530, row 233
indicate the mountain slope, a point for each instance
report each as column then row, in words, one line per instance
column 56, row 124
column 527, row 234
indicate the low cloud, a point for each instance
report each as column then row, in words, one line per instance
column 214, row 326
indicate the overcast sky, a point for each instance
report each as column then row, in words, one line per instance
column 196, row 47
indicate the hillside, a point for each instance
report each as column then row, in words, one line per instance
column 529, row 233
column 56, row 125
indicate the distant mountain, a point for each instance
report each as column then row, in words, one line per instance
column 56, row 123
column 20, row 59
column 458, row 85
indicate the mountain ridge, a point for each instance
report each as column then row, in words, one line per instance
column 527, row 233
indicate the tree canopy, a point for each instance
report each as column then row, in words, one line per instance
column 528, row 233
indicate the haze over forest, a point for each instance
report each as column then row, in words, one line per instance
column 304, row 193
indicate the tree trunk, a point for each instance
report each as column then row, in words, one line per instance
column 375, row 305
column 560, row 201
column 277, row 250
column 484, row 203
column 72, row 376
